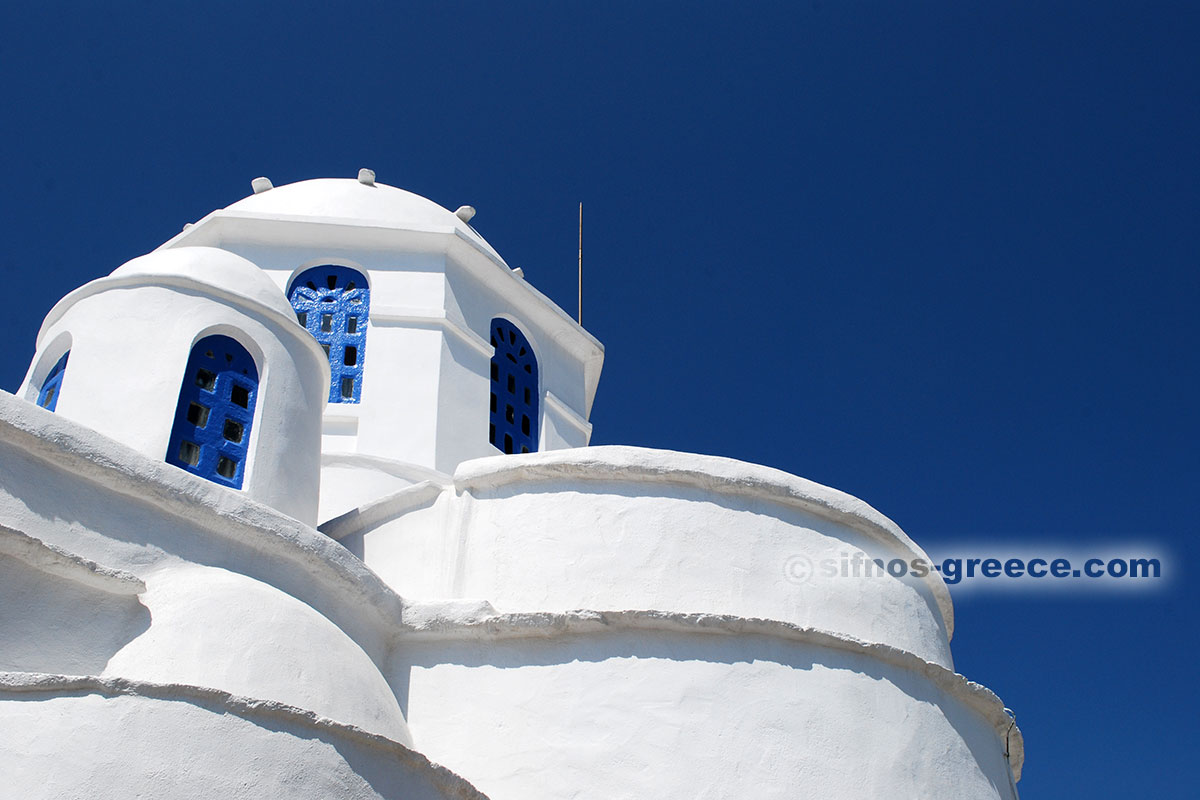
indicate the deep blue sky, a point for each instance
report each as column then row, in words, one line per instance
column 942, row 256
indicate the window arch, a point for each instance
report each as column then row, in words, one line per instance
column 333, row 304
column 514, row 416
column 211, row 434
column 48, row 394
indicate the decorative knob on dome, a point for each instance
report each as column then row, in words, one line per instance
column 366, row 176
column 465, row 213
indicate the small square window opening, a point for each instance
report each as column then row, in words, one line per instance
column 226, row 467
column 189, row 453
column 197, row 415
column 233, row 431
column 240, row 396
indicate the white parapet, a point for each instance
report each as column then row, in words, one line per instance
column 614, row 528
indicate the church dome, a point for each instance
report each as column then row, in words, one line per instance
column 349, row 201
column 212, row 266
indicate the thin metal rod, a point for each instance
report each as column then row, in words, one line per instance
column 581, row 263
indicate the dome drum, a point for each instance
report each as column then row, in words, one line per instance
column 131, row 336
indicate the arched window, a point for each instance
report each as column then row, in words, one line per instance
column 216, row 408
column 514, row 420
column 48, row 395
column 332, row 303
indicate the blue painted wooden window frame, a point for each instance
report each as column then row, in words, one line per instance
column 52, row 386
column 211, row 433
column 513, row 425
column 333, row 304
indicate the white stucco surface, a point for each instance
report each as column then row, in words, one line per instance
column 62, row 613
column 639, row 703
column 76, row 492
column 90, row 737
column 224, row 272
column 213, row 627
column 622, row 527
column 345, row 199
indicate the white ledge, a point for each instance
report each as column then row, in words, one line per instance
column 385, row 316
column 570, row 415
column 247, row 708
column 378, row 511
column 477, row 620
column 391, row 466
column 58, row 561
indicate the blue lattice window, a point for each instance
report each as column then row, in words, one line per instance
column 211, row 434
column 514, row 416
column 332, row 303
column 48, row 394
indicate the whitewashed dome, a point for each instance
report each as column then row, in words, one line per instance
column 350, row 201
column 210, row 265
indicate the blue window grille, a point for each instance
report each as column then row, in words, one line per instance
column 332, row 303
column 514, row 419
column 48, row 395
column 211, row 434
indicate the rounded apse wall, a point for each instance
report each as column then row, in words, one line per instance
column 616, row 528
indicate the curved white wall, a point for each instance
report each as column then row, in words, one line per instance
column 651, row 713
column 611, row 528
column 88, row 738
column 58, row 615
column 216, row 628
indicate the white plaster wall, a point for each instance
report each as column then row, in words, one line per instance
column 401, row 286
column 562, row 427
column 399, row 413
column 212, row 627
column 118, row 740
column 131, row 336
column 592, row 529
column 654, row 714
column 279, row 607
column 464, row 387
column 51, row 623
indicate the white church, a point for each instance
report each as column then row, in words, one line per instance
column 301, row 505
